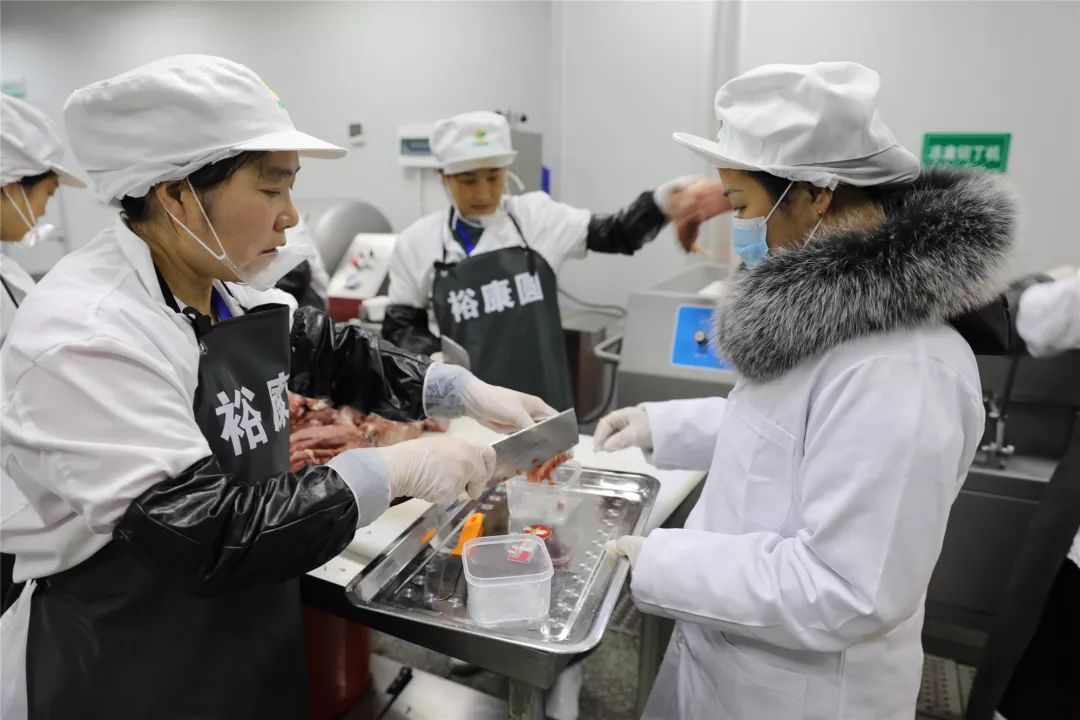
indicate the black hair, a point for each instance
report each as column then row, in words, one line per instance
column 207, row 177
column 31, row 180
column 775, row 187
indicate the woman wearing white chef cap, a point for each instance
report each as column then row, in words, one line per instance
column 30, row 172
column 798, row 582
column 488, row 263
column 146, row 418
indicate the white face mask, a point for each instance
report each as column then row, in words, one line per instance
column 35, row 231
column 481, row 221
column 485, row 221
column 263, row 271
column 478, row 221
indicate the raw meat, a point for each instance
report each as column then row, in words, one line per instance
column 542, row 472
column 320, row 432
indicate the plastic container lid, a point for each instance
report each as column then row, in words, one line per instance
column 506, row 559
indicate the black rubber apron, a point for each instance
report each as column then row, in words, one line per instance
column 502, row 307
column 109, row 639
column 1030, row 668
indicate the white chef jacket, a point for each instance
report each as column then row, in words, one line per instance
column 98, row 401
column 555, row 230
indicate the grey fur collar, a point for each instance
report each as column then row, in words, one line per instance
column 939, row 253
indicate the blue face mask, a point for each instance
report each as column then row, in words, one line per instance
column 748, row 235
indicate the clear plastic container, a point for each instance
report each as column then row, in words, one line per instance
column 547, row 510
column 509, row 579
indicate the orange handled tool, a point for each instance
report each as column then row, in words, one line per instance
column 473, row 528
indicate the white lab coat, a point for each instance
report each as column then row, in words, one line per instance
column 1048, row 320
column 111, row 430
column 13, row 624
column 799, row 580
column 117, row 310
column 555, row 230
column 20, row 283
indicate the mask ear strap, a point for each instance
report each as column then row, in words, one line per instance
column 223, row 258
column 25, row 218
column 206, row 217
column 782, row 196
column 455, row 214
column 517, row 181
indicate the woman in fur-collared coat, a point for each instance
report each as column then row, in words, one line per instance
column 799, row 580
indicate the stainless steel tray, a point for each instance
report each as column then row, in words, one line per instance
column 417, row 579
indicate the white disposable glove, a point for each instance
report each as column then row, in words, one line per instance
column 629, row 546
column 451, row 391
column 624, row 428
column 438, row 469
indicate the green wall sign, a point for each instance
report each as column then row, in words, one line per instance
column 14, row 88
column 989, row 151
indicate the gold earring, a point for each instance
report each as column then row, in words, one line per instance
column 819, row 214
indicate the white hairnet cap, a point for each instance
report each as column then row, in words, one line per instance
column 165, row 120
column 471, row 141
column 814, row 123
column 30, row 145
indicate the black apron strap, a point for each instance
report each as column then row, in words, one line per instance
column 201, row 324
column 239, row 304
column 517, row 226
column 530, row 255
column 450, row 228
column 170, row 299
column 10, row 292
column 453, row 233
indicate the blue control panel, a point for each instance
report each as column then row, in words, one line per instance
column 691, row 347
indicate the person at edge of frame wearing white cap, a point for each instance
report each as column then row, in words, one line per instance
column 30, row 173
column 798, row 582
column 146, row 420
column 488, row 264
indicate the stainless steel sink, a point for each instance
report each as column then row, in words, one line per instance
column 987, row 526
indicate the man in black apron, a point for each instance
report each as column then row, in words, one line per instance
column 504, row 309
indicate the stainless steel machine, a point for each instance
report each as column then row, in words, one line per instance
column 665, row 351
column 529, row 163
